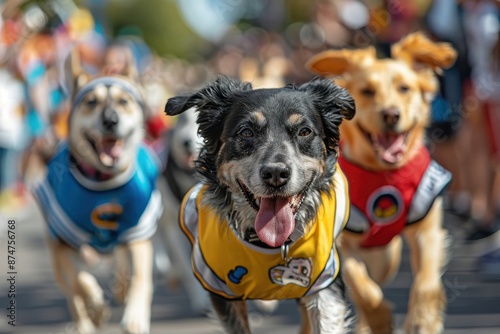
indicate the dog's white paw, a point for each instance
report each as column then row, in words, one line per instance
column 85, row 327
column 99, row 313
column 266, row 306
column 435, row 328
column 136, row 320
column 120, row 289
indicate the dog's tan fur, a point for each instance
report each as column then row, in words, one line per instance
column 406, row 82
column 134, row 282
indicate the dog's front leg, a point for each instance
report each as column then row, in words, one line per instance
column 136, row 318
column 427, row 242
column 374, row 312
column 365, row 270
column 81, row 296
column 325, row 312
column 233, row 314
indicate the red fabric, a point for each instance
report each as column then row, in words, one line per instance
column 155, row 126
column 492, row 110
column 385, row 197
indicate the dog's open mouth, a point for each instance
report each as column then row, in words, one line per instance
column 188, row 160
column 108, row 149
column 389, row 146
column 275, row 220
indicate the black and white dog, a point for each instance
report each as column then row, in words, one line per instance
column 272, row 200
column 183, row 145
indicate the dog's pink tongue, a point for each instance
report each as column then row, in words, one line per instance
column 390, row 147
column 275, row 221
column 111, row 148
column 110, row 151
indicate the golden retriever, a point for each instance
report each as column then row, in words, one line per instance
column 395, row 186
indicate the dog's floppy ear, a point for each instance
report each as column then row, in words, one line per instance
column 425, row 57
column 212, row 102
column 213, row 96
column 334, row 103
column 420, row 52
column 337, row 62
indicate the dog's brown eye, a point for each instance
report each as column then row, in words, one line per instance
column 404, row 88
column 304, row 132
column 368, row 92
column 246, row 133
column 123, row 102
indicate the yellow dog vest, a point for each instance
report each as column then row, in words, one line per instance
column 236, row 269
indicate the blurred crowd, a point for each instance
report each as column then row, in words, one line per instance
column 262, row 44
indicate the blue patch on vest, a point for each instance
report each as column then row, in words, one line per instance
column 237, row 274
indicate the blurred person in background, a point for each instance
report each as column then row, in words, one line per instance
column 45, row 100
column 482, row 113
column 445, row 22
column 361, row 23
column 116, row 59
column 36, row 62
column 40, row 62
column 481, row 124
column 12, row 109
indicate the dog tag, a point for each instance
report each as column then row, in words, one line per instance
column 284, row 251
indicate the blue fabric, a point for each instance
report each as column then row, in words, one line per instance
column 35, row 74
column 8, row 167
column 36, row 124
column 441, row 110
column 57, row 97
column 78, row 215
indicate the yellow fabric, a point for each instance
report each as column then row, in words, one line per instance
column 223, row 252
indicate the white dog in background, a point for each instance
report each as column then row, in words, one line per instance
column 173, row 258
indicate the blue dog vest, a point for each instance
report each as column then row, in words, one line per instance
column 80, row 212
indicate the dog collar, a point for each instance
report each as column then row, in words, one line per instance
column 90, row 171
column 251, row 237
column 108, row 82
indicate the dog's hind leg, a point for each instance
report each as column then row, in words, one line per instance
column 121, row 274
column 365, row 270
column 427, row 241
column 137, row 316
column 325, row 312
column 232, row 314
column 305, row 323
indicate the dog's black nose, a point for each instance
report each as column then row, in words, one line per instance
column 109, row 119
column 275, row 174
column 390, row 116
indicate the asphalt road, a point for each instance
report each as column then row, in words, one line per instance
column 473, row 300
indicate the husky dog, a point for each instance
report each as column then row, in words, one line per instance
column 100, row 194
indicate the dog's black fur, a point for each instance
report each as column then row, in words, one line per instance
column 226, row 103
column 292, row 131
